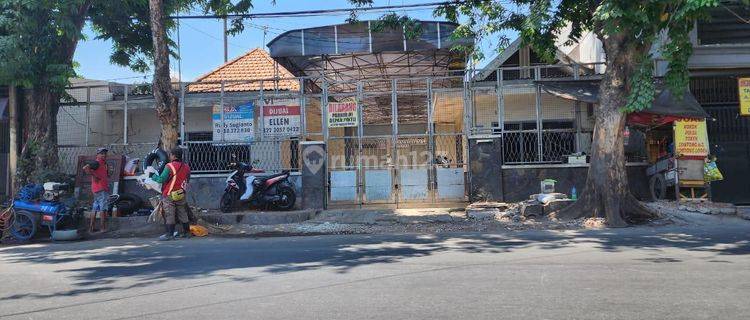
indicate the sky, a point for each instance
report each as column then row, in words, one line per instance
column 201, row 44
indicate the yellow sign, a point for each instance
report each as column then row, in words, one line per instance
column 691, row 138
column 744, row 86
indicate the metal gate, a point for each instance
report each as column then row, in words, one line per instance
column 729, row 136
column 408, row 146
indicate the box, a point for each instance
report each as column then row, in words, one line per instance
column 577, row 159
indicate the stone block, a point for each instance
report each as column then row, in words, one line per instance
column 531, row 209
column 482, row 214
column 557, row 205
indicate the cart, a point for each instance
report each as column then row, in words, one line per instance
column 677, row 144
column 29, row 214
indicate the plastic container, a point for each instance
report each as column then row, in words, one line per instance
column 573, row 193
column 548, row 186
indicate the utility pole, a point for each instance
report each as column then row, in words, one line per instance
column 226, row 48
column 265, row 32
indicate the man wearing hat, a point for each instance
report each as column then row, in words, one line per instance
column 100, row 188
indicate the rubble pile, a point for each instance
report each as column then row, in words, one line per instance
column 708, row 208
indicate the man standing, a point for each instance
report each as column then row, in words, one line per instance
column 174, row 179
column 100, row 188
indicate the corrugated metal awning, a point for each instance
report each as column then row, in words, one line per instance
column 665, row 103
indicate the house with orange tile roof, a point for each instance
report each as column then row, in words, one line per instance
column 242, row 79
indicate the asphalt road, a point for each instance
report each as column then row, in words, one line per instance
column 634, row 273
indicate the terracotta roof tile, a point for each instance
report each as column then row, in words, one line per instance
column 244, row 74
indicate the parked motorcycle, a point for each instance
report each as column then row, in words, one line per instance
column 274, row 191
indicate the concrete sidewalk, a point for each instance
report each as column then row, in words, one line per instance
column 374, row 221
column 291, row 222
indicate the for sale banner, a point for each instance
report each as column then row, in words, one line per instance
column 281, row 121
column 691, row 138
column 342, row 114
column 238, row 123
column 744, row 86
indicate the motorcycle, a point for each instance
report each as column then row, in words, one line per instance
column 274, row 191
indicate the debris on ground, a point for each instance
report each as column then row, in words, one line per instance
column 476, row 217
column 595, row 223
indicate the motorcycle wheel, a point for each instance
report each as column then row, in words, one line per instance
column 227, row 202
column 287, row 198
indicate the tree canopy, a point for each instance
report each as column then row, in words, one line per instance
column 34, row 34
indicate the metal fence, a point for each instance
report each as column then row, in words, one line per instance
column 69, row 155
column 437, row 112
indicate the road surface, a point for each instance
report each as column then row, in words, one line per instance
column 699, row 272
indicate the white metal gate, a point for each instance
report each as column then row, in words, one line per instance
column 408, row 145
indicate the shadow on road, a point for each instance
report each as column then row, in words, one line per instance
column 150, row 263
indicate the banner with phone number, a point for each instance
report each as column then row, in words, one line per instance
column 281, row 121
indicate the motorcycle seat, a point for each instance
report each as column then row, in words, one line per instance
column 275, row 175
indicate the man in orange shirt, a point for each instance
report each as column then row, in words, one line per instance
column 100, row 189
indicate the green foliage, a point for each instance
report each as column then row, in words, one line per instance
column 412, row 27
column 542, row 24
column 38, row 38
column 642, row 88
column 35, row 42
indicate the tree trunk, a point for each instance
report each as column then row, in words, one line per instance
column 606, row 193
column 39, row 158
column 38, row 162
column 164, row 96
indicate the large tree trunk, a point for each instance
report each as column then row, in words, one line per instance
column 39, row 158
column 606, row 193
column 164, row 96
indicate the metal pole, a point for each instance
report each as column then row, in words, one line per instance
column 432, row 171
column 125, row 117
column 302, row 109
column 260, row 109
column 360, row 133
column 324, row 111
column 182, row 113
column 182, row 86
column 88, row 114
column 226, row 42
column 499, row 92
column 578, row 126
column 394, row 135
column 539, row 123
column 221, row 107
column 369, row 36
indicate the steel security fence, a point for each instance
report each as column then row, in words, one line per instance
column 427, row 115
column 520, row 147
column 68, row 155
column 269, row 155
column 557, row 144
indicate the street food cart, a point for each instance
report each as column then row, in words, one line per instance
column 674, row 131
column 676, row 146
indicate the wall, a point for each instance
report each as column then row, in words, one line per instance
column 520, row 105
column 71, row 119
column 205, row 191
column 520, row 182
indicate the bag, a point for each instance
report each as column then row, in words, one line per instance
column 198, row 231
column 177, row 195
column 157, row 216
column 711, row 172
